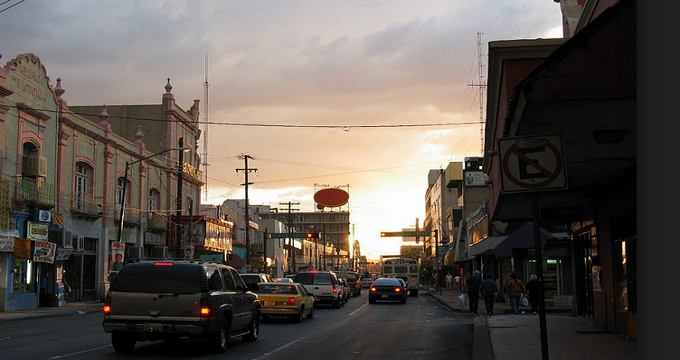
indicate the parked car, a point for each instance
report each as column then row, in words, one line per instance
column 345, row 290
column 173, row 299
column 387, row 289
column 324, row 285
column 354, row 283
column 252, row 278
column 285, row 299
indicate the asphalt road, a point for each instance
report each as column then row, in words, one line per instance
column 419, row 329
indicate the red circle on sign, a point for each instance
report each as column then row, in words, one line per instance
column 331, row 197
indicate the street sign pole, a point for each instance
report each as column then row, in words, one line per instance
column 539, row 274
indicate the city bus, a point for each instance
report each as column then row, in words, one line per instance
column 403, row 268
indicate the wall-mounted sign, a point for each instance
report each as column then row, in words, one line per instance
column 38, row 231
column 44, row 251
column 532, row 163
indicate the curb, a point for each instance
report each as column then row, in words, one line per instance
column 50, row 312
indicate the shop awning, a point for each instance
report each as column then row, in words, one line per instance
column 486, row 246
column 523, row 238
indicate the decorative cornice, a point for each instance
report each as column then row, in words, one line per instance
column 33, row 112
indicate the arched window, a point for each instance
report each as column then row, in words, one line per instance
column 154, row 201
column 83, row 194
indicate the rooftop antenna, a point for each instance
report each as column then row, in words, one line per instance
column 481, row 85
column 205, row 133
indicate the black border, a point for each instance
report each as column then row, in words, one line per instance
column 658, row 280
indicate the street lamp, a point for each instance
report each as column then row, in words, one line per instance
column 122, row 196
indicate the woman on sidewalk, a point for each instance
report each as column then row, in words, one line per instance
column 514, row 288
column 532, row 292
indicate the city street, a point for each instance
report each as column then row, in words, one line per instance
column 420, row 329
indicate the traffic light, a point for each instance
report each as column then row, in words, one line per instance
column 312, row 235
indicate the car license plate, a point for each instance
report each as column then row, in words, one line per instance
column 385, row 296
column 153, row 327
column 270, row 303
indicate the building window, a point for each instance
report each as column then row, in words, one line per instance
column 154, row 199
column 82, row 184
column 23, row 277
column 119, row 190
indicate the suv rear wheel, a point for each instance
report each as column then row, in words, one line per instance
column 122, row 342
column 253, row 328
column 220, row 341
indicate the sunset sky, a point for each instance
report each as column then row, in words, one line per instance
column 369, row 94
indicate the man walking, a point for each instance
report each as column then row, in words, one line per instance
column 488, row 291
column 449, row 279
column 472, row 286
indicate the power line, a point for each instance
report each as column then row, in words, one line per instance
column 343, row 127
column 11, row 6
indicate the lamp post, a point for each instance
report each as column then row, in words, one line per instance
column 122, row 195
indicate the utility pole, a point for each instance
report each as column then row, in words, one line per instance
column 247, row 171
column 291, row 252
column 180, row 180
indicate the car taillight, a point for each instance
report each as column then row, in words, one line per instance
column 291, row 301
column 163, row 263
column 397, row 289
column 205, row 311
column 374, row 289
column 107, row 305
column 335, row 289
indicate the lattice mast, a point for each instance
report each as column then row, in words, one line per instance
column 481, row 85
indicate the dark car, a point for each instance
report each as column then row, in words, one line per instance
column 354, row 283
column 387, row 289
column 173, row 299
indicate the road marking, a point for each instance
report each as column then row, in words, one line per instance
column 80, row 352
column 357, row 310
column 279, row 348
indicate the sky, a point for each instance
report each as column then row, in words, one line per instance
column 368, row 95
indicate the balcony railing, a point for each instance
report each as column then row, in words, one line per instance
column 36, row 190
column 87, row 205
column 193, row 172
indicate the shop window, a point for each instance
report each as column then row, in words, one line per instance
column 24, row 277
column 625, row 253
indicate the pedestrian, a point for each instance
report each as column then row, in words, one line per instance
column 515, row 289
column 472, row 288
column 532, row 292
column 457, row 279
column 449, row 280
column 488, row 291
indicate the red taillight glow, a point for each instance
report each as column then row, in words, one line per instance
column 107, row 309
column 314, row 272
column 163, row 263
column 205, row 311
column 335, row 289
column 397, row 289
column 291, row 301
column 374, row 289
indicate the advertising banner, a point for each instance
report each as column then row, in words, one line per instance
column 22, row 249
column 44, row 251
column 117, row 256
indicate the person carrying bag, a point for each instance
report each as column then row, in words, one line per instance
column 515, row 289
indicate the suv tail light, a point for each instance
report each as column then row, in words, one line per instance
column 335, row 289
column 397, row 289
column 107, row 306
column 204, row 310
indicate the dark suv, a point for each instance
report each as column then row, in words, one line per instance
column 173, row 299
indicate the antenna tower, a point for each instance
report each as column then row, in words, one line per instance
column 205, row 133
column 481, row 85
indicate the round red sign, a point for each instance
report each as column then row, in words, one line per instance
column 331, row 197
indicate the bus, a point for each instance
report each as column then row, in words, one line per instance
column 403, row 268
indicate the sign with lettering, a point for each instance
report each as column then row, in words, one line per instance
column 532, row 163
column 38, row 231
column 44, row 251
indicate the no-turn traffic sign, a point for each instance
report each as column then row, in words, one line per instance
column 532, row 163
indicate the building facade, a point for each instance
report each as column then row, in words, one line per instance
column 67, row 172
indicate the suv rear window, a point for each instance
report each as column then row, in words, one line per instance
column 177, row 278
column 313, row 279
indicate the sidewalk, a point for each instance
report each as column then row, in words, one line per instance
column 71, row 309
column 504, row 336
